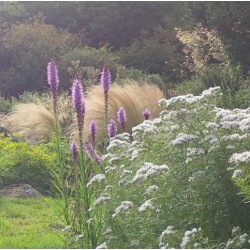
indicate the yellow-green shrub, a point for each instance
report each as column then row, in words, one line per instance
column 23, row 163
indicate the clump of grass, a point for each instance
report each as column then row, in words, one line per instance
column 30, row 223
column 32, row 120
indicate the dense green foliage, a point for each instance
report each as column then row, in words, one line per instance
column 22, row 163
column 138, row 35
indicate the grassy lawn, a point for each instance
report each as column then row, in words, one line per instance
column 30, row 223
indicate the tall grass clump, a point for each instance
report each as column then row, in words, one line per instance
column 173, row 185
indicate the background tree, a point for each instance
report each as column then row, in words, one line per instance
column 27, row 48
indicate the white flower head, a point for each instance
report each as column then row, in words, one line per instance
column 97, row 178
column 123, row 208
column 147, row 205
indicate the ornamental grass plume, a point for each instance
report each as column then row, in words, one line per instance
column 122, row 117
column 32, row 121
column 53, row 81
column 132, row 96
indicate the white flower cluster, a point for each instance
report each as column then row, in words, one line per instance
column 233, row 119
column 239, row 241
column 169, row 230
column 147, row 127
column 147, row 205
column 239, row 158
column 123, row 208
column 194, row 153
column 101, row 200
column 234, row 137
column 117, row 144
column 183, row 138
column 237, row 173
column 97, row 178
column 147, row 170
column 183, row 100
column 212, row 125
column 188, row 235
column 102, row 246
column 199, row 175
column 152, row 189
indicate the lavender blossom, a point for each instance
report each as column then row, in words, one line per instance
column 146, row 114
column 106, row 79
column 78, row 97
column 74, row 151
column 89, row 150
column 92, row 130
column 112, row 129
column 52, row 76
column 79, row 105
column 53, row 81
column 91, row 153
column 122, row 117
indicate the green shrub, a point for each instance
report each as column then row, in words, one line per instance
column 80, row 61
column 227, row 77
column 27, row 48
column 172, row 186
column 194, row 87
column 6, row 104
column 23, row 163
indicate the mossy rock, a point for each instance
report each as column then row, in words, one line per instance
column 19, row 191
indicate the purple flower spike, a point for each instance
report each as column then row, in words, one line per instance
column 91, row 153
column 53, row 81
column 106, row 79
column 146, row 114
column 78, row 97
column 112, row 129
column 92, row 130
column 89, row 150
column 52, row 76
column 98, row 159
column 74, row 151
column 122, row 117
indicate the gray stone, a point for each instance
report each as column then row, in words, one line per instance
column 19, row 191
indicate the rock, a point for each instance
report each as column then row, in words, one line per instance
column 19, row 191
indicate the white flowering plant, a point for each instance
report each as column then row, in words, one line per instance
column 179, row 170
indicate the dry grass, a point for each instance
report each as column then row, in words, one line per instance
column 31, row 120
column 36, row 121
column 134, row 98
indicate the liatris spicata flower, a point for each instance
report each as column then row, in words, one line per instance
column 89, row 149
column 106, row 79
column 91, row 153
column 92, row 130
column 146, row 114
column 112, row 129
column 53, row 81
column 74, row 151
column 79, row 105
column 106, row 82
column 122, row 117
